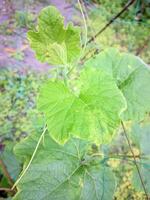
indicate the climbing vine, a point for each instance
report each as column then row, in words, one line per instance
column 84, row 107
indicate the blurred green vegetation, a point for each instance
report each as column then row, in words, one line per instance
column 24, row 19
column 129, row 32
column 19, row 90
column 17, row 102
column 18, row 116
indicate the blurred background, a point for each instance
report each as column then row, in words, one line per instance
column 21, row 74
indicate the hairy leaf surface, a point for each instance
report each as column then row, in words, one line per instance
column 132, row 77
column 52, row 42
column 92, row 114
column 62, row 172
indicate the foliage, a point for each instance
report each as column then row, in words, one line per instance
column 142, row 141
column 83, row 152
column 126, row 33
column 72, row 172
column 90, row 115
column 24, row 19
column 18, row 96
column 18, row 116
column 81, row 113
column 10, row 160
column 49, row 44
column 132, row 78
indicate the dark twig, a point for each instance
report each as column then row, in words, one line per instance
column 112, row 20
column 96, row 51
column 90, row 53
column 134, row 158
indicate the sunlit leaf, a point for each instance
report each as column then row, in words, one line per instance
column 92, row 114
column 52, row 42
column 132, row 76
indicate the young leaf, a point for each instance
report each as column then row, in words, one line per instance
column 93, row 114
column 52, row 42
column 61, row 172
column 132, row 77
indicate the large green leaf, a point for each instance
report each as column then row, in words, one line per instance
column 52, row 42
column 132, row 77
column 142, row 141
column 93, row 113
column 63, row 172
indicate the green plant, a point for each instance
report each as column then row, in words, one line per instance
column 24, row 19
column 18, row 118
column 17, row 103
column 83, row 107
column 125, row 32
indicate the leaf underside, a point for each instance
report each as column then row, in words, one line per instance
column 57, row 173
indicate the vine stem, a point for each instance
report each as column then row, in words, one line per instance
column 134, row 158
column 112, row 20
column 6, row 190
column 88, row 20
column 105, row 27
column 85, row 24
column 32, row 157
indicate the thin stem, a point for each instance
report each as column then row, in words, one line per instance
column 111, row 21
column 88, row 21
column 6, row 173
column 6, row 190
column 33, row 155
column 96, row 51
column 91, row 52
column 85, row 25
column 134, row 158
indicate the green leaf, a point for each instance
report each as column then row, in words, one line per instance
column 142, row 141
column 62, row 172
column 132, row 77
column 11, row 162
column 141, row 137
column 145, row 174
column 52, row 42
column 91, row 114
